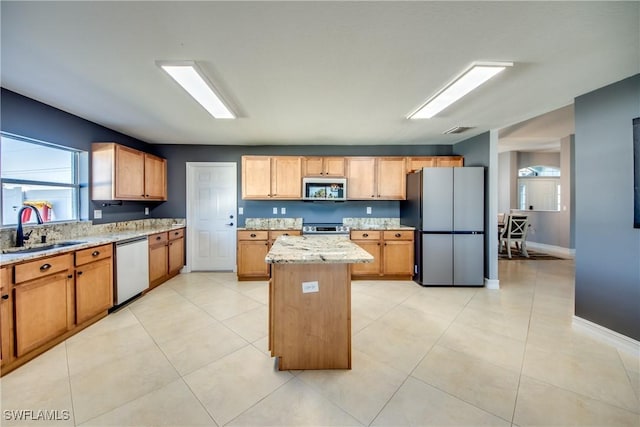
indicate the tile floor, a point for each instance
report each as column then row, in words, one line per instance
column 194, row 352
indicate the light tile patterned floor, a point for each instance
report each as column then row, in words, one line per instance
column 194, row 352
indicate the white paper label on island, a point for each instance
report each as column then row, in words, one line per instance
column 308, row 287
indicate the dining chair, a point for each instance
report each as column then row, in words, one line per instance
column 515, row 232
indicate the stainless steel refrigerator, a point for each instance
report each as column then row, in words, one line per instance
column 446, row 206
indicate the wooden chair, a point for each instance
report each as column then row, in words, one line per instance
column 515, row 232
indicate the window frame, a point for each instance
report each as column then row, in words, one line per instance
column 75, row 172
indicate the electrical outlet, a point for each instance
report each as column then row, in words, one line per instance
column 283, row 211
column 240, row 211
column 97, row 214
column 368, row 210
column 146, row 211
column 275, row 211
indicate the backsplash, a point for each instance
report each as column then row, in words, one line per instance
column 73, row 230
column 361, row 223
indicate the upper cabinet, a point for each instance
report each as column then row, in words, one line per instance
column 416, row 163
column 324, row 166
column 376, row 178
column 278, row 177
column 123, row 173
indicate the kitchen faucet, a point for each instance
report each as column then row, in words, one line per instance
column 20, row 237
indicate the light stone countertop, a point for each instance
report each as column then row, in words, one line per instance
column 83, row 243
column 383, row 227
column 321, row 249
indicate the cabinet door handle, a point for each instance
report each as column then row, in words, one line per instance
column 158, row 237
column 398, row 234
column 95, row 253
column 79, row 273
column 175, row 233
column 365, row 235
column 70, row 276
column 6, row 296
column 267, row 243
column 45, row 267
column 252, row 235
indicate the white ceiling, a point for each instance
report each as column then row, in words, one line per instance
column 313, row 72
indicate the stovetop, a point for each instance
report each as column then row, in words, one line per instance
column 325, row 228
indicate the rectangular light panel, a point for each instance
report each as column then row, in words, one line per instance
column 187, row 75
column 473, row 77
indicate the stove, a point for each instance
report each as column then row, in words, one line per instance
column 326, row 228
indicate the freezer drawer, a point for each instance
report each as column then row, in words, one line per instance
column 437, row 261
column 468, row 259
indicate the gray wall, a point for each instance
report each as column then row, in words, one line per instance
column 29, row 118
column 607, row 290
column 179, row 155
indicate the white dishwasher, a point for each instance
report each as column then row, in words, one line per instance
column 132, row 268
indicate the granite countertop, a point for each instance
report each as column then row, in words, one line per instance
column 274, row 228
column 83, row 243
column 316, row 250
column 383, row 227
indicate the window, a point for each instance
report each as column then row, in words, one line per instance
column 539, row 188
column 42, row 175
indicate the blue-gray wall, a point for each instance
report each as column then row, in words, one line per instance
column 179, row 155
column 29, row 118
column 607, row 290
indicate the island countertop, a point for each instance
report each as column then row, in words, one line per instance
column 316, row 250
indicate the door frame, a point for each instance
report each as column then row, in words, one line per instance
column 190, row 166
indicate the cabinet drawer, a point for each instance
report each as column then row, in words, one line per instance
column 158, row 238
column 398, row 235
column 42, row 267
column 365, row 235
column 253, row 235
column 273, row 235
column 93, row 254
column 176, row 234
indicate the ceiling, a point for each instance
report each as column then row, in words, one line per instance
column 313, row 72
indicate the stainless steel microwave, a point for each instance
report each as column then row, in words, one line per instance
column 324, row 189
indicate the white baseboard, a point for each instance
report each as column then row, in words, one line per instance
column 619, row 341
column 492, row 283
column 558, row 251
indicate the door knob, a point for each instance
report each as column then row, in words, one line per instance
column 231, row 216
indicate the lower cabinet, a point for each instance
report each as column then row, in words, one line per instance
column 392, row 251
column 49, row 299
column 6, row 315
column 166, row 256
column 94, row 282
column 253, row 246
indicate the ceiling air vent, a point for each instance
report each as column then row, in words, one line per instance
column 457, row 129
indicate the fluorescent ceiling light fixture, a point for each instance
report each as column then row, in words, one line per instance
column 190, row 77
column 471, row 78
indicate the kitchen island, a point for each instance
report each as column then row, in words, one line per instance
column 310, row 301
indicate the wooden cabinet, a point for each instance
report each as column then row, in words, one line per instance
column 6, row 315
column 123, row 173
column 253, row 246
column 370, row 242
column 41, row 306
column 376, row 178
column 324, row 166
column 397, row 253
column 392, row 251
column 417, row 163
column 266, row 177
column 93, row 282
column 166, row 256
column 176, row 251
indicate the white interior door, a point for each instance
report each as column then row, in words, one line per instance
column 211, row 216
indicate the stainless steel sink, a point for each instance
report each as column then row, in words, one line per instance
column 42, row 248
